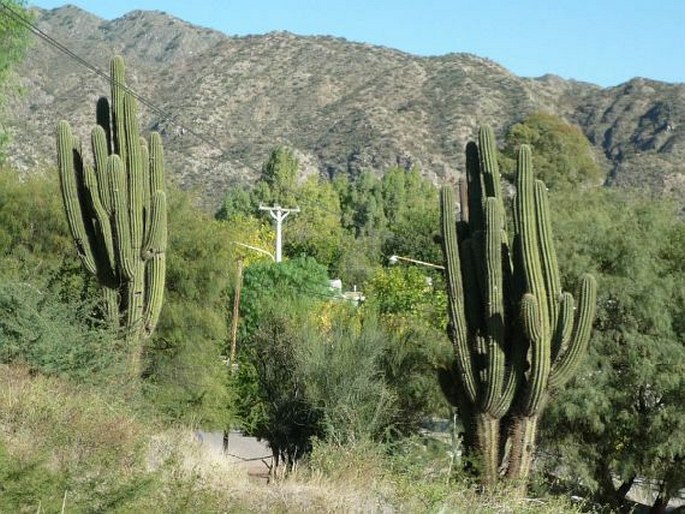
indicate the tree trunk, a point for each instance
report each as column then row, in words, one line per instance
column 236, row 315
column 659, row 506
column 624, row 489
column 662, row 499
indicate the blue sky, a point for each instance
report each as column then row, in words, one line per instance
column 605, row 42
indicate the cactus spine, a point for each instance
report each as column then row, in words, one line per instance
column 116, row 210
column 513, row 329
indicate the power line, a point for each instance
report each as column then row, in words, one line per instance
column 165, row 115
column 12, row 14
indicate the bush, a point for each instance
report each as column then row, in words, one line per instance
column 343, row 375
column 331, row 371
column 273, row 399
column 56, row 338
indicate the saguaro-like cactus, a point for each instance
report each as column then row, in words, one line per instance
column 556, row 331
column 116, row 209
column 513, row 329
column 479, row 279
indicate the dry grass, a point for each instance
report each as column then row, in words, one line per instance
column 57, row 439
column 236, row 491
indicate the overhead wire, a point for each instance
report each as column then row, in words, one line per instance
column 166, row 116
column 12, row 14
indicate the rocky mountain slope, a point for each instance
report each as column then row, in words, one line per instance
column 222, row 103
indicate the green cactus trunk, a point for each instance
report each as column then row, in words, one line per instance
column 513, row 328
column 522, row 439
column 116, row 210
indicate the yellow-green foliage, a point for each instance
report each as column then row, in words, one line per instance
column 562, row 155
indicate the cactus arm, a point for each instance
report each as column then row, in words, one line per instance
column 475, row 188
column 514, row 354
column 155, row 184
column 98, row 141
column 154, row 287
column 511, row 380
column 494, row 304
column 122, row 234
column 135, row 174
column 455, row 292
column 156, row 163
column 472, row 301
column 118, row 93
column 526, row 229
column 135, row 307
column 548, row 256
column 539, row 354
column 104, row 120
column 68, row 174
column 463, row 189
column 105, row 258
column 488, row 162
column 147, row 193
column 157, row 233
column 564, row 330
column 565, row 366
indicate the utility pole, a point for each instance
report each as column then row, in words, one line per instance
column 278, row 213
column 236, row 314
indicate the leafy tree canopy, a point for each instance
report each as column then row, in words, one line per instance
column 562, row 155
column 623, row 414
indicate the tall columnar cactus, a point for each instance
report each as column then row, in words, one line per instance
column 513, row 328
column 556, row 331
column 116, row 209
column 479, row 279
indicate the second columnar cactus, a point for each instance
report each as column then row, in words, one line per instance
column 515, row 332
column 116, row 209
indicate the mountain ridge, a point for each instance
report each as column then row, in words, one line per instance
column 343, row 106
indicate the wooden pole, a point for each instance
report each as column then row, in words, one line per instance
column 236, row 313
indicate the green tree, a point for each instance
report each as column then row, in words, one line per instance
column 238, row 202
column 411, row 305
column 267, row 283
column 271, row 397
column 185, row 376
column 312, row 366
column 14, row 40
column 280, row 174
column 411, row 207
column 316, row 231
column 34, row 236
column 410, row 292
column 38, row 329
column 47, row 304
column 362, row 216
column 623, row 416
column 361, row 203
column 342, row 362
column 562, row 155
